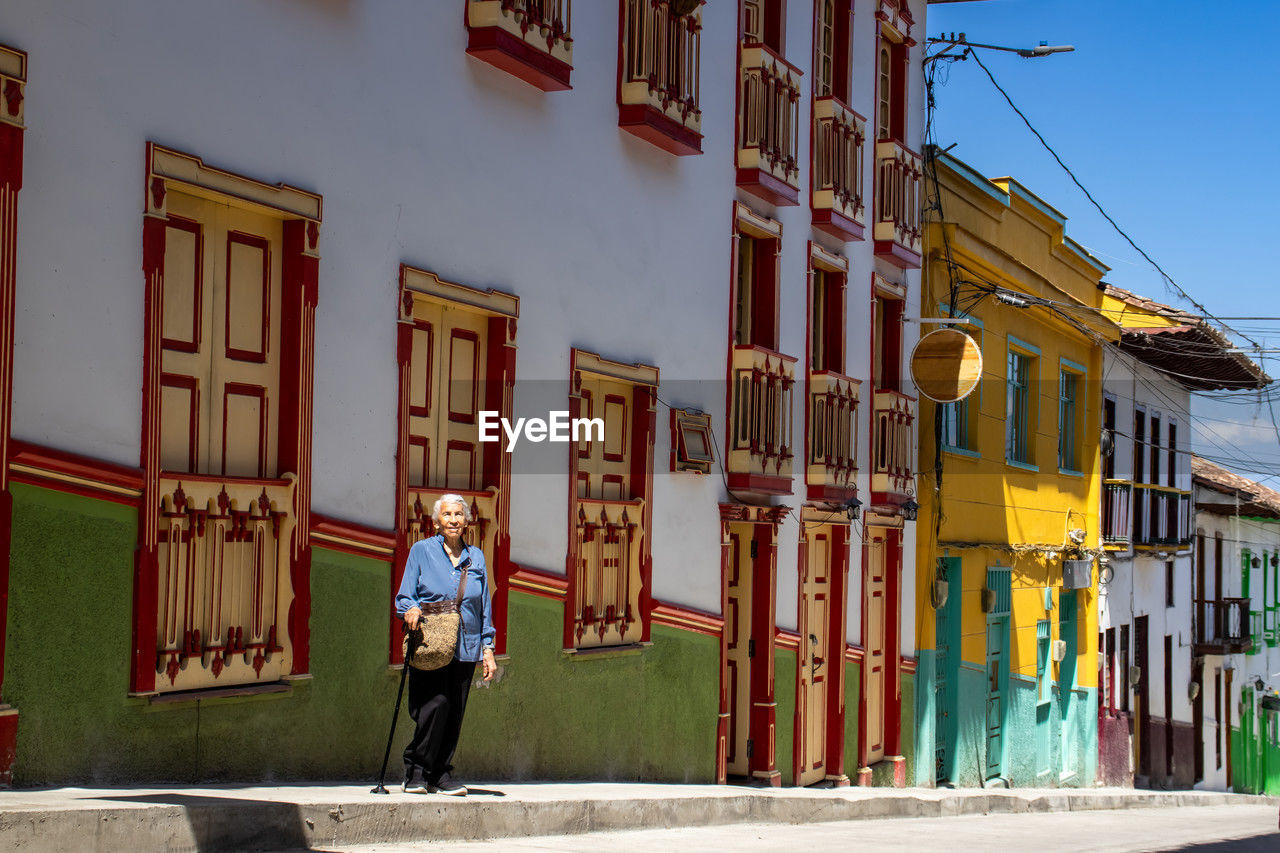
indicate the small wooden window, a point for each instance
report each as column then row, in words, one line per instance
column 691, row 448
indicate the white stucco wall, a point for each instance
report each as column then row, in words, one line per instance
column 427, row 157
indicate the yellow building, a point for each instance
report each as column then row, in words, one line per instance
column 1009, row 493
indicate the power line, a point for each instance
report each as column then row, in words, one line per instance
column 1173, row 284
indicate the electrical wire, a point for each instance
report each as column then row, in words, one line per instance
column 1175, row 287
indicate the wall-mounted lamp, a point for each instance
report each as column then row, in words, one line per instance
column 1193, row 690
column 851, row 508
column 1258, row 685
column 1274, row 561
column 1256, row 563
column 910, row 509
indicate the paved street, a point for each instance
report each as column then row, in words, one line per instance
column 1212, row 829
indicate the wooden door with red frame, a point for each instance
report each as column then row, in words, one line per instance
column 817, row 676
column 875, row 619
column 747, row 648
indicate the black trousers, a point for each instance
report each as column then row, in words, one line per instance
column 437, row 700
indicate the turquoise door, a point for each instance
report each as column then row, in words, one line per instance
column 947, row 676
column 1044, row 700
column 1067, row 625
column 997, row 688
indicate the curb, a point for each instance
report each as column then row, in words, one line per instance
column 203, row 821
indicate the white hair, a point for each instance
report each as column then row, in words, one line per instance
column 451, row 499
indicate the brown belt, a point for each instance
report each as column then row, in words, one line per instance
column 449, row 606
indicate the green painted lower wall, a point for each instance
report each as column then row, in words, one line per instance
column 70, row 616
column 1255, row 759
column 650, row 715
column 852, row 702
column 645, row 715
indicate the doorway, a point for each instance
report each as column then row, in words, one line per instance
column 820, row 664
column 747, row 742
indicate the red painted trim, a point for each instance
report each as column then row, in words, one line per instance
column 760, row 484
column 765, row 186
column 191, row 227
column 404, row 410
column 500, row 372
column 537, row 582
column 300, row 285
column 785, row 638
column 837, row 224
column 261, row 244
column 853, row 653
column 357, row 539
column 891, row 252
column 893, row 642
column 51, row 469
column 8, row 738
column 520, row 59
column 687, row 619
column 909, row 664
column 142, row 673
column 657, row 128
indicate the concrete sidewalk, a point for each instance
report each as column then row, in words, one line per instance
column 328, row 816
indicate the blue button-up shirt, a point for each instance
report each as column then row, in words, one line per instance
column 429, row 575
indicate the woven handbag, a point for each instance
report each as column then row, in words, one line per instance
column 434, row 642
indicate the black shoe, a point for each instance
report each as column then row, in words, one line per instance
column 446, row 784
column 413, row 784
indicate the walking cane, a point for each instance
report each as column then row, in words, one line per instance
column 395, row 715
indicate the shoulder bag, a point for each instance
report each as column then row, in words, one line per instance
column 434, row 642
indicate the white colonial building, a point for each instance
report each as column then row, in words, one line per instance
column 270, row 262
column 1153, row 646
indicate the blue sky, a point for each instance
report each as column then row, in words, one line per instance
column 1173, row 132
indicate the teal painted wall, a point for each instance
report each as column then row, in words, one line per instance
column 923, row 763
column 651, row 715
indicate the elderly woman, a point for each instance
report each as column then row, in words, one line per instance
column 437, row 698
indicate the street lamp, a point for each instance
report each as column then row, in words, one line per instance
column 959, row 40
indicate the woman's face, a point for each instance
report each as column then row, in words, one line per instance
column 452, row 520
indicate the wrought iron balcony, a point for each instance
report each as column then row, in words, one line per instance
column 832, row 470
column 838, row 136
column 661, row 67
column 1221, row 626
column 892, row 475
column 760, row 445
column 606, row 605
column 769, row 126
column 527, row 38
column 897, row 224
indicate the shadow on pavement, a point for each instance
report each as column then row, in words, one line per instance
column 253, row 825
column 1268, row 843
